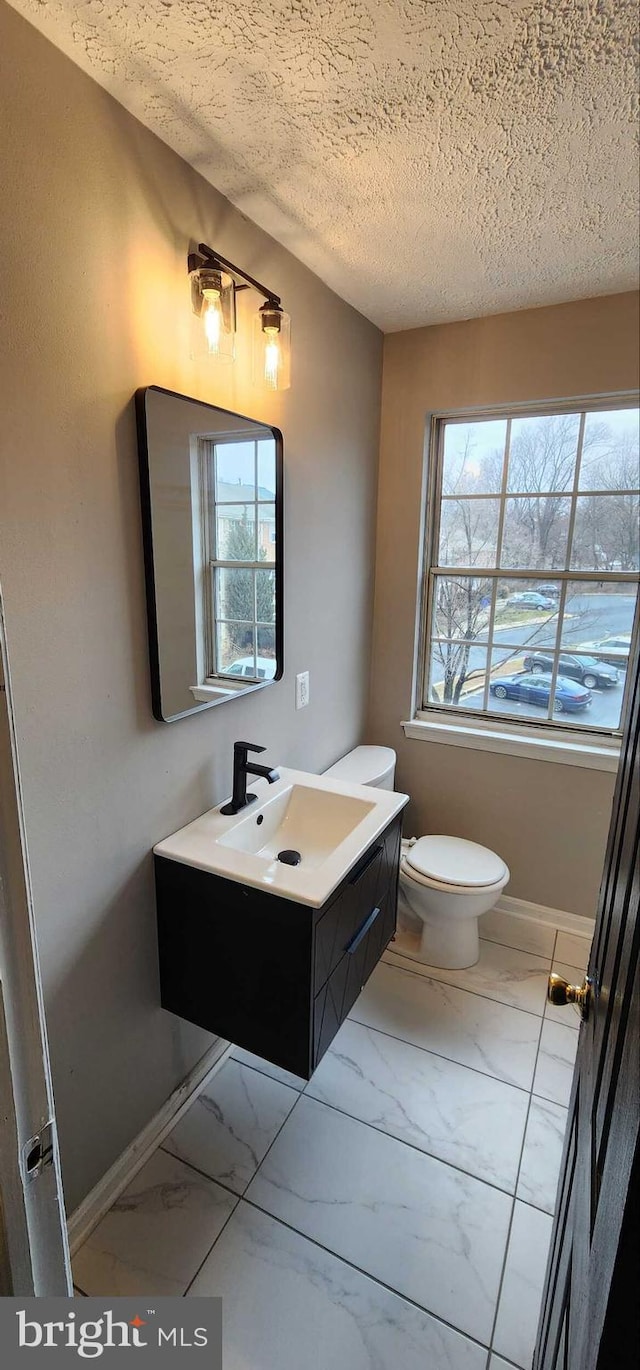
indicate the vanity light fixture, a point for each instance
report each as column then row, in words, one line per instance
column 214, row 283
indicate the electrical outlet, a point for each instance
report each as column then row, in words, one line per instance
column 302, row 690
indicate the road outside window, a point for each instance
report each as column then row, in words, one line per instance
column 532, row 587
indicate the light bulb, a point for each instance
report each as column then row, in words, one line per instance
column 212, row 320
column 272, row 346
column 272, row 358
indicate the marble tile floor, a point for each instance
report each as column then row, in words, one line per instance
column 396, row 1209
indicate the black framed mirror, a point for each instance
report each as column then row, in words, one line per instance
column 211, row 485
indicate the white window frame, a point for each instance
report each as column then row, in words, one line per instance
column 214, row 686
column 546, row 740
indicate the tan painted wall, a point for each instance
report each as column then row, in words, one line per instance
column 97, row 217
column 548, row 821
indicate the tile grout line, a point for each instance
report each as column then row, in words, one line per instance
column 402, row 1141
column 464, row 989
column 525, row 1089
column 544, row 1099
column 432, row 972
column 513, row 1208
column 367, row 1274
column 509, row 946
column 531, row 1097
column 253, row 1204
column 244, row 1065
column 428, row 1051
column 213, row 1179
column 280, row 1222
column 552, row 1022
column 259, row 1069
column 240, row 1196
column 493, row 942
column 177, row 1156
column 204, row 1176
column 224, row 1225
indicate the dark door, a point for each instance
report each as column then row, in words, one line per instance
column 590, row 1308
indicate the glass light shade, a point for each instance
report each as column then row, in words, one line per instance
column 213, row 297
column 272, row 347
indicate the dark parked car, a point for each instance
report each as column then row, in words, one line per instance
column 586, row 669
column 536, row 689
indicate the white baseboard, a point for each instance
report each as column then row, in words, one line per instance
column 539, row 913
column 98, row 1202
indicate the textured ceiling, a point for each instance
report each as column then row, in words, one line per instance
column 429, row 159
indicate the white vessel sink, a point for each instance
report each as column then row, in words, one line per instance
column 328, row 823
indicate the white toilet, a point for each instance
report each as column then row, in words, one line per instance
column 447, row 882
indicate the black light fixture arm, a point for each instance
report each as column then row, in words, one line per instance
column 206, row 257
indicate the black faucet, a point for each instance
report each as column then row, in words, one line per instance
column 241, row 769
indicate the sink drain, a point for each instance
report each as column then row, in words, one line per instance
column 289, row 857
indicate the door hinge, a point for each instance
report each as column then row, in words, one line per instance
column 37, row 1153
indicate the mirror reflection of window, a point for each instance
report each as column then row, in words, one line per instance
column 212, row 491
column 240, row 513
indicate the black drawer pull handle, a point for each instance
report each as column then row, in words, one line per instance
column 369, row 862
column 368, row 922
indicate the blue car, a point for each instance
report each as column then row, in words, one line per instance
column 536, row 689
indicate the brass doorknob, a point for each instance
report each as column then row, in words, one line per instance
column 560, row 992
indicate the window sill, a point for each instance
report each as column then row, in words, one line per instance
column 565, row 749
column 215, row 694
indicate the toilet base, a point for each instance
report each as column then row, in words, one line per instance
column 451, row 946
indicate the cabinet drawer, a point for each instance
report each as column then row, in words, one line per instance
column 336, row 928
column 339, row 993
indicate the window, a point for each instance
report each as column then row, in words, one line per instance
column 532, row 568
column 239, row 503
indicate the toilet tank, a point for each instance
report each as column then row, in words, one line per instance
column 366, row 766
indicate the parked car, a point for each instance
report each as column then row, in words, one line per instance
column 549, row 591
column 536, row 689
column 262, row 668
column 530, row 599
column 594, row 674
column 615, row 650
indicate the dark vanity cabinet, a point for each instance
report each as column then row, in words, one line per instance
column 268, row 974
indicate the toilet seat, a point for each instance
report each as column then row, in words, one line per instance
column 412, row 878
column 453, row 863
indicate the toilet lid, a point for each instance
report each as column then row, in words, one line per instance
column 455, row 861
